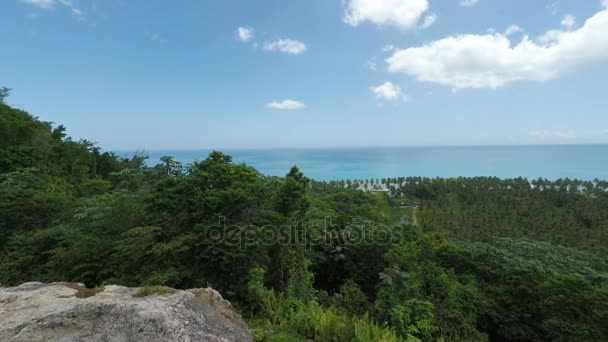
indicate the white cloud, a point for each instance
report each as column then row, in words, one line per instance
column 286, row 105
column 371, row 64
column 468, row 3
column 569, row 134
column 512, row 29
column 402, row 14
column 289, row 46
column 40, row 3
column 391, row 47
column 568, row 21
column 388, row 92
column 429, row 20
column 156, row 38
column 553, row 7
column 244, row 34
column 605, row 3
column 50, row 3
column 75, row 11
column 491, row 60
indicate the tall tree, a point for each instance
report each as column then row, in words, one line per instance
column 4, row 93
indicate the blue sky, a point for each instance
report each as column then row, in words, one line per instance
column 155, row 74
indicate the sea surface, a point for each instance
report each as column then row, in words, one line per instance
column 586, row 162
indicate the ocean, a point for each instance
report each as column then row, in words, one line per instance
column 586, row 162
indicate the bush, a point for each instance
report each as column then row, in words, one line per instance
column 366, row 330
column 351, row 299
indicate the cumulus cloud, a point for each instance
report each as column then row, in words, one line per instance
column 468, row 3
column 289, row 46
column 286, row 105
column 244, row 34
column 492, row 60
column 388, row 92
column 401, row 14
column 429, row 20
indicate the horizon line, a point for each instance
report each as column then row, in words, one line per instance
column 130, row 150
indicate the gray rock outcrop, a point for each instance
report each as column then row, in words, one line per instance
column 68, row 312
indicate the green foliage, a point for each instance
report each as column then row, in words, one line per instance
column 575, row 309
column 93, row 187
column 351, row 299
column 311, row 322
column 292, row 197
column 134, row 255
column 30, row 200
column 300, row 279
column 4, row 93
column 414, row 319
column 368, row 331
column 423, row 298
column 564, row 212
column 259, row 299
column 59, row 253
column 514, row 276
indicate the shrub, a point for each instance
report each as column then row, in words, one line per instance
column 351, row 299
column 366, row 330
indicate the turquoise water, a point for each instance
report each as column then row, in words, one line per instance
column 585, row 162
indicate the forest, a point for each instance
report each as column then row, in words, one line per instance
column 486, row 259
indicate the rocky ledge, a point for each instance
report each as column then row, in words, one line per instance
column 70, row 312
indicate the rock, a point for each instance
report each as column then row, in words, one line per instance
column 68, row 312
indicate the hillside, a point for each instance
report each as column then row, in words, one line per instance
column 486, row 260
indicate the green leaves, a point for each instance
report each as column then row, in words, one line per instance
column 565, row 212
column 574, row 308
column 60, row 253
column 414, row 318
column 292, row 199
column 4, row 93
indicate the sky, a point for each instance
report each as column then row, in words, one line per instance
column 200, row 74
